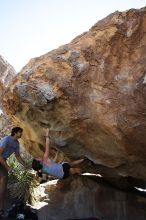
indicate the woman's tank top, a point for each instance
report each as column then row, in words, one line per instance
column 54, row 169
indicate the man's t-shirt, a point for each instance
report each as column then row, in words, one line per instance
column 10, row 146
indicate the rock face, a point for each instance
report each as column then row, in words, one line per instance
column 92, row 95
column 82, row 197
column 7, row 72
column 5, row 125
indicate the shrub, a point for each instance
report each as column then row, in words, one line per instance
column 21, row 181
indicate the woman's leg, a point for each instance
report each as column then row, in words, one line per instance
column 76, row 162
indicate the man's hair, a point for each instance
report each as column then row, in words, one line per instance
column 15, row 130
column 36, row 165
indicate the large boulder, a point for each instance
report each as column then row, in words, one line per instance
column 89, row 198
column 92, row 94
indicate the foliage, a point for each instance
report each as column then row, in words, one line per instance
column 21, row 181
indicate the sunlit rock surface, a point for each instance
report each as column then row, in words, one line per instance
column 7, row 72
column 85, row 197
column 92, row 94
column 5, row 125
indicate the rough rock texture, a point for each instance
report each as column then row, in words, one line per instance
column 84, row 197
column 92, row 95
column 7, row 72
column 5, row 125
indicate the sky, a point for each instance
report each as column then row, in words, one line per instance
column 31, row 28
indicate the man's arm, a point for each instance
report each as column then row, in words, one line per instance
column 47, row 145
column 20, row 160
column 2, row 161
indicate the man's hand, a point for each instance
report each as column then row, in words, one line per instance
column 10, row 170
column 20, row 160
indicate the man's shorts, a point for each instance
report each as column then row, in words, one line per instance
column 66, row 169
column 3, row 171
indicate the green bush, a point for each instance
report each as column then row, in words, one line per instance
column 21, row 181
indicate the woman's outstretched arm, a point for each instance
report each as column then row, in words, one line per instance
column 47, row 144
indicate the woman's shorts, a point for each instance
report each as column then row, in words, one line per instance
column 66, row 169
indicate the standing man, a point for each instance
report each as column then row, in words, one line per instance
column 8, row 145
